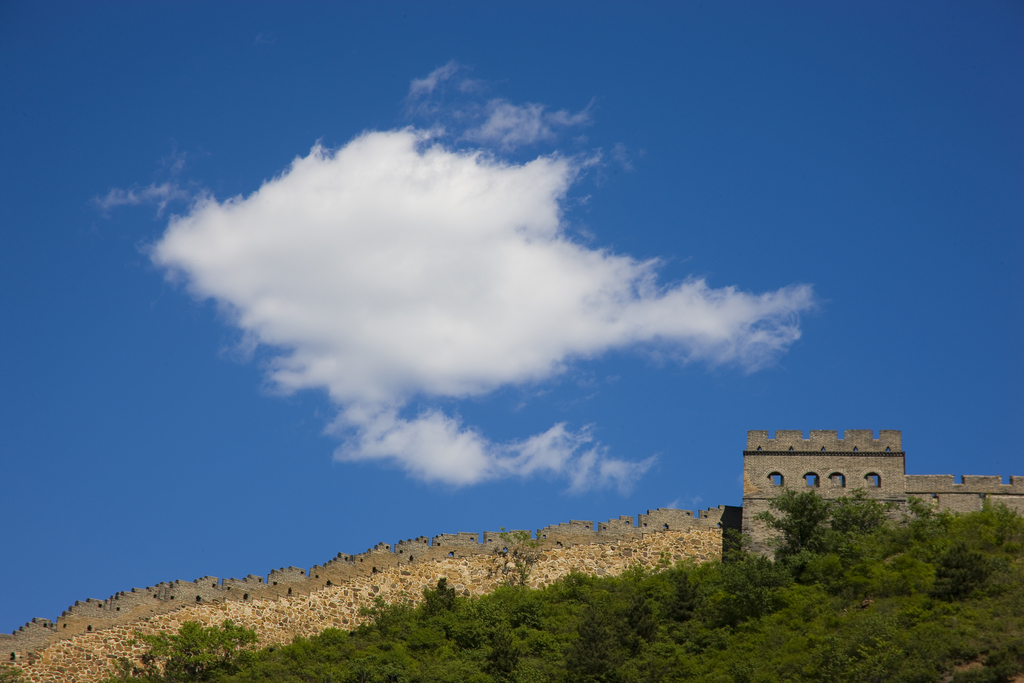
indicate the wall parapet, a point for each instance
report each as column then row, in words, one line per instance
column 946, row 483
column 827, row 440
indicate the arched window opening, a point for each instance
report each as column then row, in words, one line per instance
column 775, row 478
column 666, row 527
column 790, row 448
column 289, row 591
column 451, row 553
column 811, row 479
column 838, row 480
column 874, row 481
column 199, row 598
column 245, row 597
column 887, row 450
column 854, row 449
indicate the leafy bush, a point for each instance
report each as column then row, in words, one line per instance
column 195, row 653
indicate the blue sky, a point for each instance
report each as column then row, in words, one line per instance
column 279, row 281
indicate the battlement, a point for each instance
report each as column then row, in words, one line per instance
column 827, row 440
column 946, row 483
column 463, row 538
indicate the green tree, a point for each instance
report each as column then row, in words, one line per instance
column 440, row 600
column 516, row 556
column 802, row 525
column 503, row 658
column 195, row 654
column 961, row 571
column 592, row 656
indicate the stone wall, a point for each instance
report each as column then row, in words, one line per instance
column 127, row 607
column 279, row 618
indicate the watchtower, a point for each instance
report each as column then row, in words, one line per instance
column 831, row 466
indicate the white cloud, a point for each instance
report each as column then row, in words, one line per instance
column 435, row 447
column 396, row 269
column 419, row 87
column 510, row 125
column 160, row 195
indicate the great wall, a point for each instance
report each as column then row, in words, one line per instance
column 88, row 638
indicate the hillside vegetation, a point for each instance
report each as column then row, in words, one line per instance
column 851, row 597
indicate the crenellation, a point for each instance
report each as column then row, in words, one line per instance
column 853, row 441
column 667, row 519
column 497, row 537
column 624, row 524
column 250, row 582
column 289, row 575
column 461, row 539
column 571, row 532
column 946, row 483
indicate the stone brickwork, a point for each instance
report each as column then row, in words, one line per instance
column 835, row 467
column 278, row 618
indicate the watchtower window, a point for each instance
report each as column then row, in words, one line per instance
column 874, row 481
column 774, row 477
column 811, row 479
column 838, row 480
